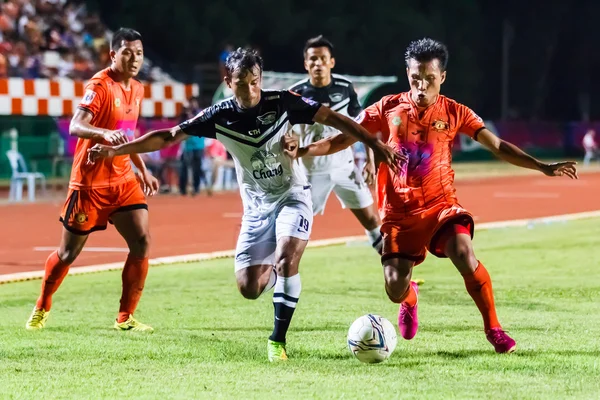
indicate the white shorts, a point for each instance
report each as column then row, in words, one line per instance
column 259, row 234
column 348, row 185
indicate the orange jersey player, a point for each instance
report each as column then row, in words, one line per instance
column 107, row 191
column 418, row 206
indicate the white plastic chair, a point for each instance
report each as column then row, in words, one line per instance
column 20, row 175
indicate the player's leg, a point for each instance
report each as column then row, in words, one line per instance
column 321, row 187
column 55, row 270
column 131, row 221
column 183, row 172
column 455, row 238
column 293, row 227
column 370, row 221
column 197, row 174
column 403, row 248
column 353, row 193
column 255, row 255
column 79, row 217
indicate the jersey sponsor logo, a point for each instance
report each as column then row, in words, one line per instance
column 268, row 118
column 336, row 97
column 440, row 125
column 265, row 165
column 89, row 96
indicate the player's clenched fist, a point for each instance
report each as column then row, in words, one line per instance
column 115, row 137
column 290, row 144
column 100, row 151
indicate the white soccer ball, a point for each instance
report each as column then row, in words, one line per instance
column 372, row 338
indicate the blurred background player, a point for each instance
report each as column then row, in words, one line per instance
column 192, row 155
column 420, row 208
column 106, row 191
column 337, row 172
column 278, row 214
column 590, row 146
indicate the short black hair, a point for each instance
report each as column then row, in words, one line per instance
column 243, row 60
column 425, row 50
column 319, row 41
column 127, row 34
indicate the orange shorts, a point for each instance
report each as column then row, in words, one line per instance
column 89, row 210
column 411, row 237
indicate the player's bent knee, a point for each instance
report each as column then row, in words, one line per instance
column 249, row 290
column 68, row 255
column 462, row 255
column 140, row 246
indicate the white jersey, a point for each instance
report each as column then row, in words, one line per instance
column 253, row 136
column 340, row 96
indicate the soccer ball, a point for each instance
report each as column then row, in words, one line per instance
column 372, row 338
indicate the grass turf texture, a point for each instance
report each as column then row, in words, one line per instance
column 211, row 343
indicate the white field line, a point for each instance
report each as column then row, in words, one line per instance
column 25, row 276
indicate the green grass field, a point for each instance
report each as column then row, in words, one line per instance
column 210, row 343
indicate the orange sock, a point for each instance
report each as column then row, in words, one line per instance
column 410, row 296
column 55, row 272
column 134, row 276
column 479, row 286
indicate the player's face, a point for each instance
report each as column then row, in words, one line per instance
column 246, row 86
column 318, row 63
column 129, row 58
column 425, row 80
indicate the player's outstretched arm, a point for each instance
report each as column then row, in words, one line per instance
column 322, row 147
column 150, row 142
column 82, row 127
column 383, row 153
column 512, row 154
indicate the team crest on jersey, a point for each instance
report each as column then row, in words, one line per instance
column 80, row 217
column 268, row 118
column 336, row 97
column 89, row 96
column 265, row 165
column 309, row 101
column 396, row 121
column 117, row 102
column 440, row 125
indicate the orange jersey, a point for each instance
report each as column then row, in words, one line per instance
column 427, row 179
column 113, row 107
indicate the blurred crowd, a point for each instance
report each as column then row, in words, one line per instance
column 55, row 39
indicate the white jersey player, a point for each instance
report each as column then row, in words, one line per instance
column 253, row 125
column 336, row 172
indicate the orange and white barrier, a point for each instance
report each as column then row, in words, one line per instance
column 60, row 97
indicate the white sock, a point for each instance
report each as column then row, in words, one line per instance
column 375, row 238
column 285, row 298
column 287, row 290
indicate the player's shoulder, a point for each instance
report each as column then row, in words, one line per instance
column 394, row 100
column 219, row 107
column 300, row 86
column 340, row 80
column 99, row 80
column 451, row 105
